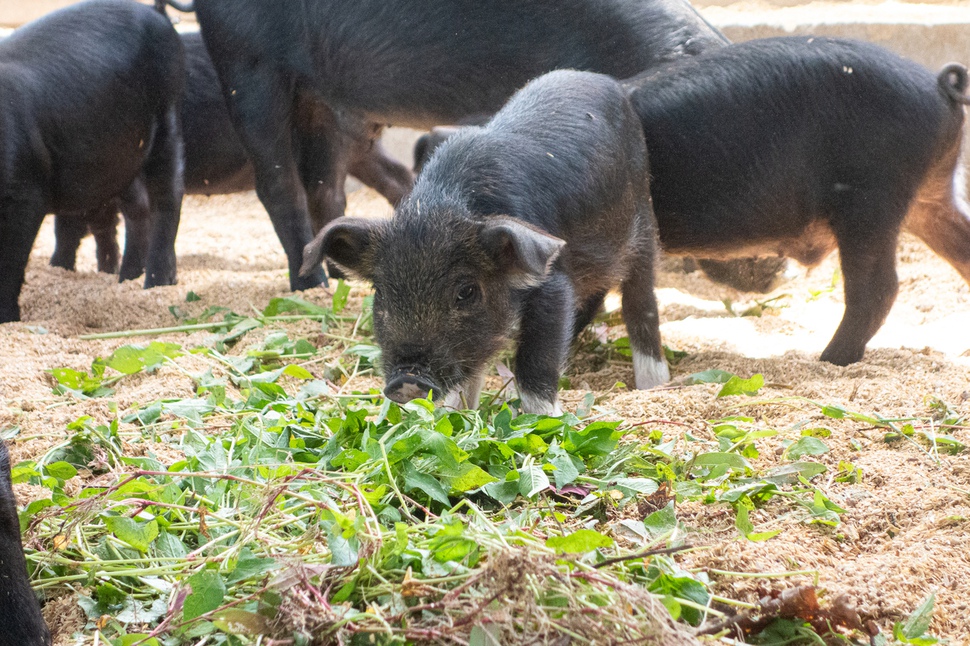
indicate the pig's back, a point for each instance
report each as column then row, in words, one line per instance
column 780, row 121
column 566, row 141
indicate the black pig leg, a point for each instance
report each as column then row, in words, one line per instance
column 869, row 270
column 324, row 164
column 468, row 395
column 69, row 229
column 104, row 227
column 261, row 104
column 163, row 180
column 643, row 319
column 587, row 312
column 21, row 623
column 137, row 211
column 544, row 336
column 19, row 223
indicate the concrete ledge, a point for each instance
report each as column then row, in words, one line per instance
column 930, row 34
column 14, row 13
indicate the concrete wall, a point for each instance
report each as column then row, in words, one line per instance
column 14, row 13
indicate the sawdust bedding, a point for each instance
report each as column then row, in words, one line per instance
column 906, row 529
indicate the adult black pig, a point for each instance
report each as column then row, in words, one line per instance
column 83, row 120
column 796, row 146
column 526, row 221
column 409, row 62
column 215, row 164
column 21, row 623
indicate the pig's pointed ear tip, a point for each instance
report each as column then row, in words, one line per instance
column 312, row 257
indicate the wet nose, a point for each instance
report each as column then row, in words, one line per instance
column 404, row 388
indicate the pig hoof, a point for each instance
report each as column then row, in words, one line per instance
column 311, row 280
column 539, row 405
column 649, row 372
column 842, row 357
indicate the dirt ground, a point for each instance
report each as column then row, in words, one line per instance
column 906, row 529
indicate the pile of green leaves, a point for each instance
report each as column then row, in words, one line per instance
column 301, row 513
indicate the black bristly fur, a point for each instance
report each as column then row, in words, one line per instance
column 80, row 122
column 21, row 623
column 409, row 62
column 215, row 164
column 563, row 161
column 796, row 146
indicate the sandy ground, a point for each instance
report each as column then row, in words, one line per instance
column 906, row 529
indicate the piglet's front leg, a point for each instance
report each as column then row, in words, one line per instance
column 544, row 335
column 468, row 395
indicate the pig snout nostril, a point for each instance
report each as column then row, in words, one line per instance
column 405, row 388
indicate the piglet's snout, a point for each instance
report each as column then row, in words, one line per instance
column 402, row 388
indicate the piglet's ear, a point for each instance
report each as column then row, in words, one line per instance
column 524, row 251
column 347, row 242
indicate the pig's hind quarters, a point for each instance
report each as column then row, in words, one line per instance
column 940, row 213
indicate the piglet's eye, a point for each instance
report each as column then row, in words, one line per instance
column 466, row 294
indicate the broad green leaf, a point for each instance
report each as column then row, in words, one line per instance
column 747, row 529
column 471, row 477
column 567, row 467
column 136, row 612
column 737, row 386
column 137, row 638
column 240, row 329
column 240, row 622
column 414, row 479
column 913, row 630
column 531, row 444
column 340, row 295
column 806, row 445
column 130, row 359
column 297, row 372
column 683, row 586
column 444, row 449
column 208, row 592
column 61, row 470
column 662, row 521
column 789, row 473
column 279, row 306
column 343, row 550
column 250, row 567
column 138, row 535
column 504, row 492
column 599, row 438
column 710, row 377
column 485, row 635
column 636, row 485
column 532, row 480
column 168, row 545
column 579, row 542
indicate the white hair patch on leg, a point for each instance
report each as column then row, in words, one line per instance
column 649, row 372
column 539, row 405
column 453, row 399
column 467, row 395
